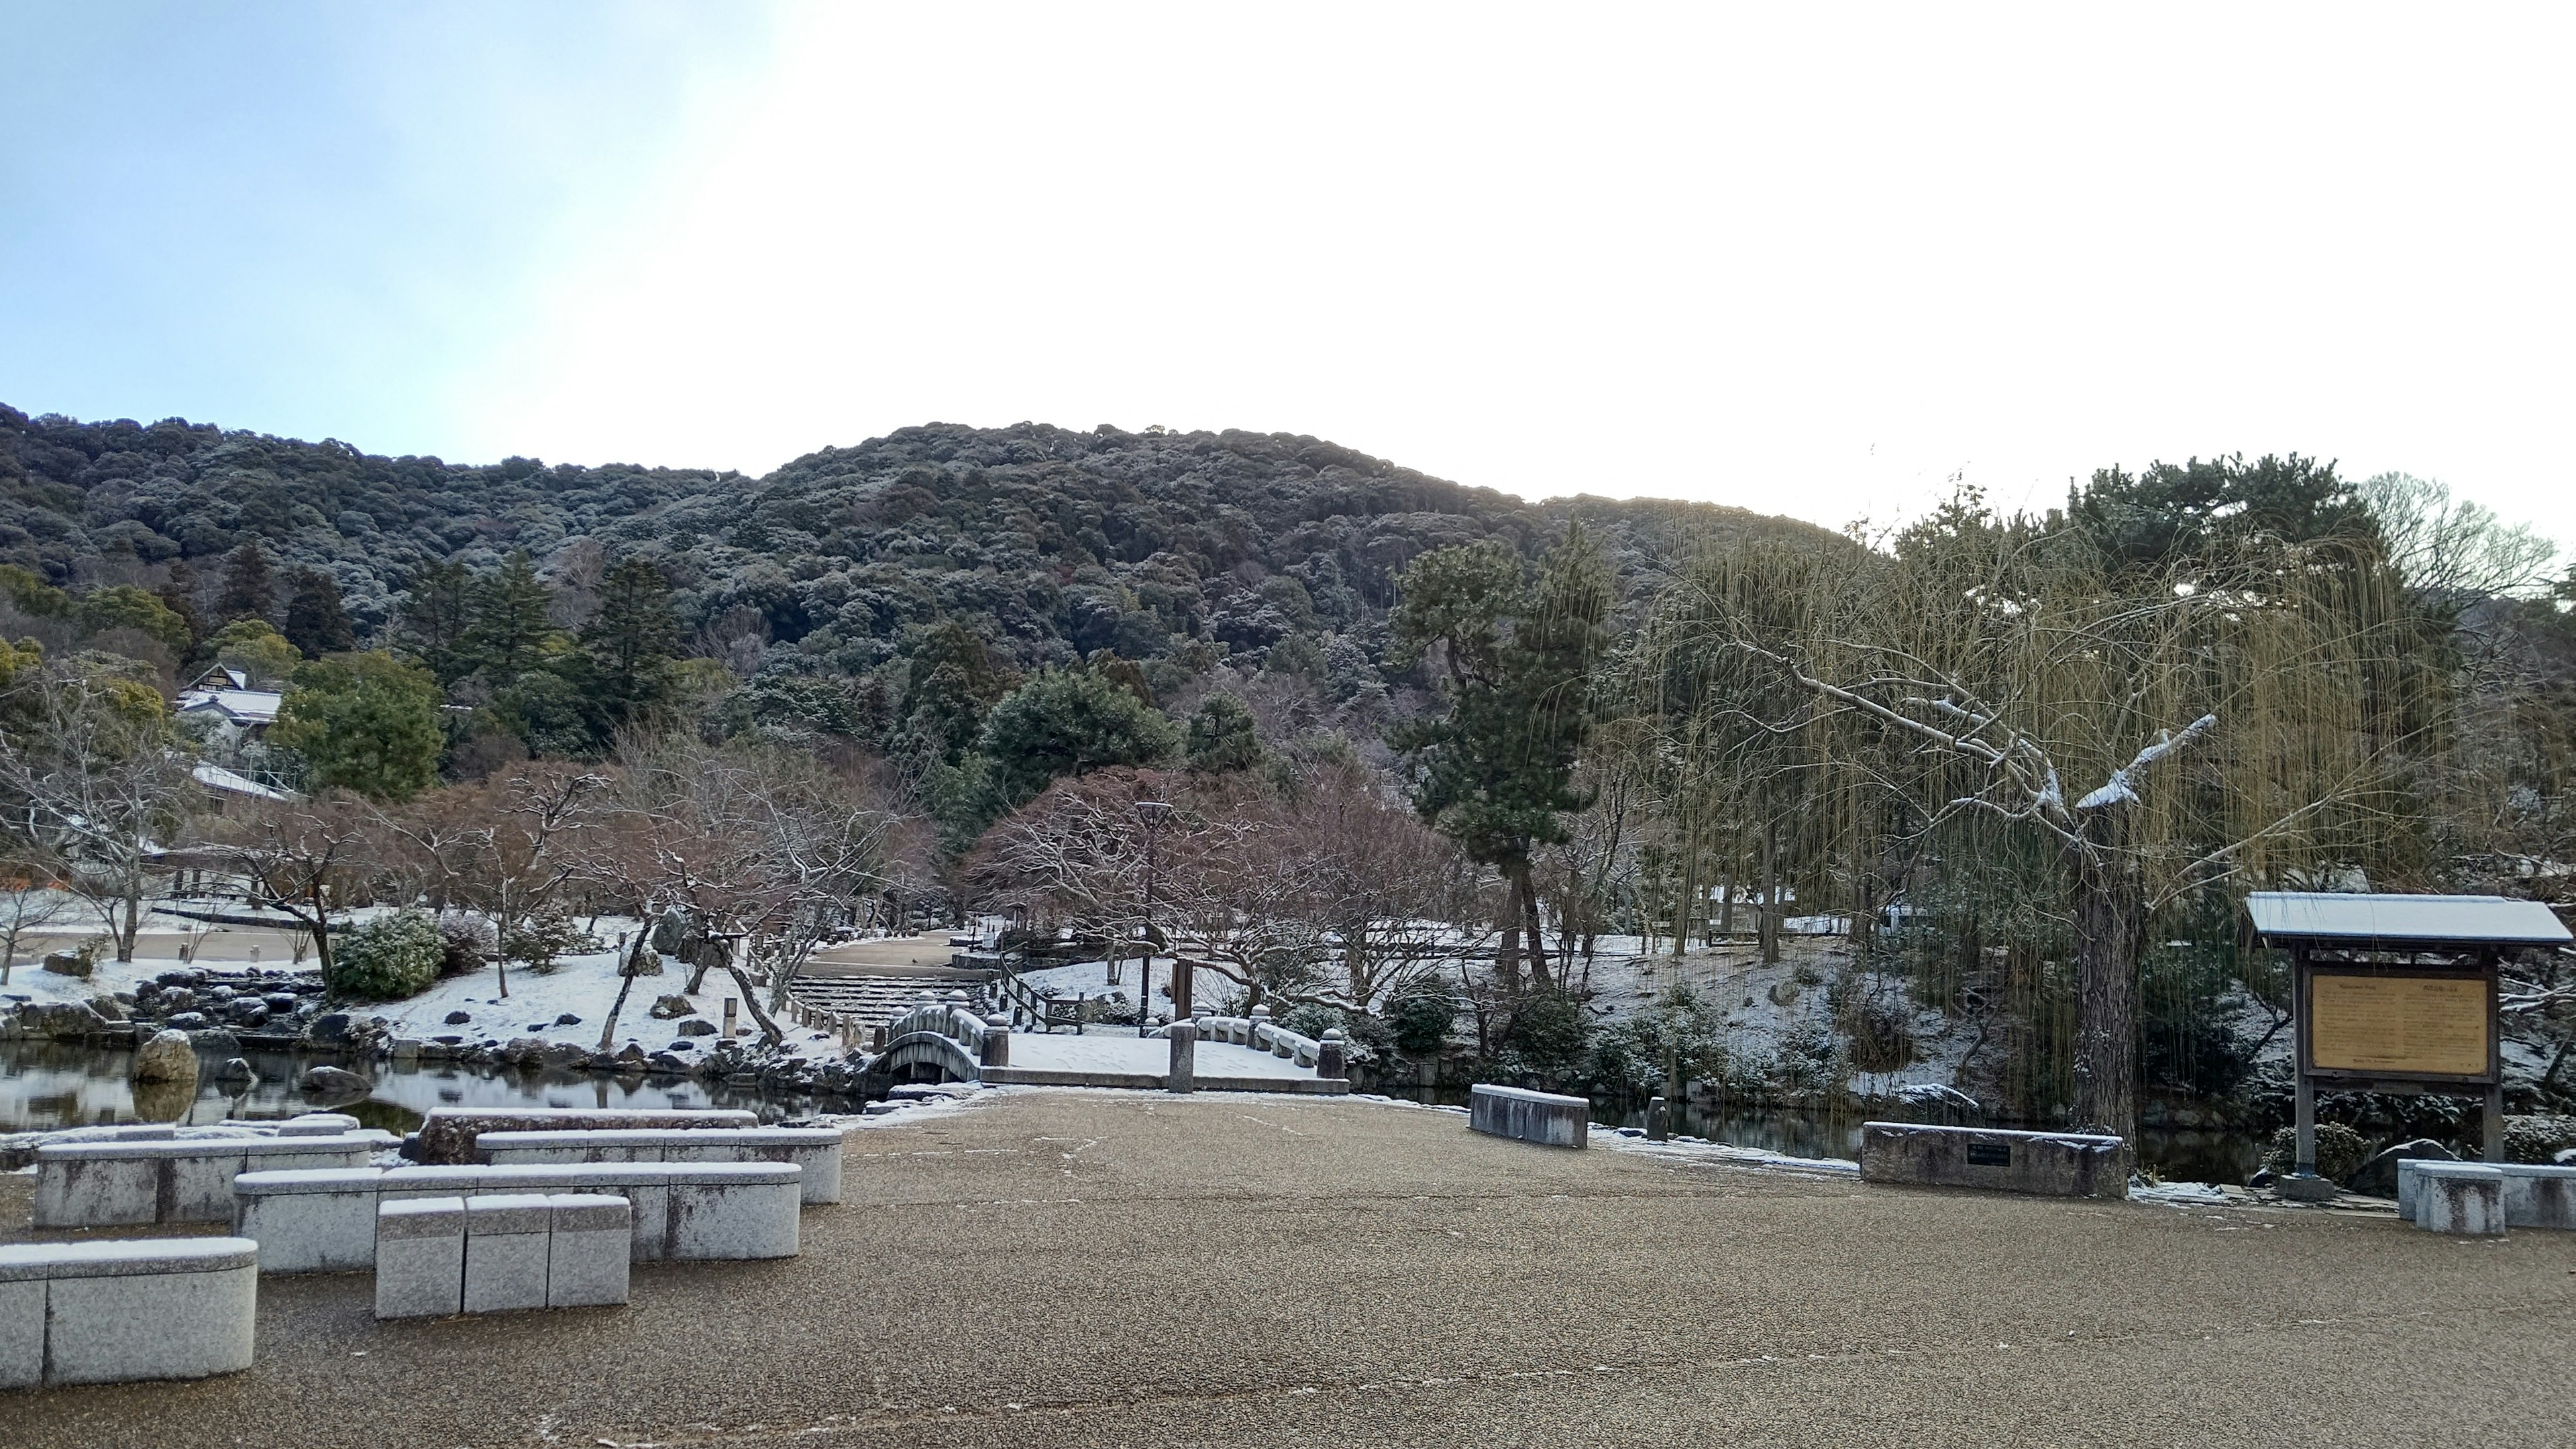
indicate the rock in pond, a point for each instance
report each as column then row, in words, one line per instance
column 333, row 1082
column 165, row 1058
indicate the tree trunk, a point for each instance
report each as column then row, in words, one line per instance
column 1507, row 957
column 627, row 971
column 2110, row 932
column 1769, row 925
column 751, row 1003
column 133, row 914
column 1524, row 904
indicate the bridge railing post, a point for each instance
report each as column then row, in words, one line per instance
column 1328, row 1055
column 1184, row 1038
column 997, row 1040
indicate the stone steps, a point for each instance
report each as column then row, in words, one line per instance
column 874, row 1000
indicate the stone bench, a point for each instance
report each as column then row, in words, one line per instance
column 817, row 1150
column 189, row 1180
column 326, row 1221
column 1526, row 1116
column 2461, row 1198
column 2053, row 1164
column 2529, row 1195
column 101, row 1313
column 492, row 1253
column 447, row 1136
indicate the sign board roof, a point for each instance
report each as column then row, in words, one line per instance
column 2284, row 917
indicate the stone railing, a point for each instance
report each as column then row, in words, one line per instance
column 1259, row 1033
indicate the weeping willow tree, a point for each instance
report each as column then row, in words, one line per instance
column 2145, row 729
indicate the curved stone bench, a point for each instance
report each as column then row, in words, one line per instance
column 326, row 1221
column 102, row 1313
column 448, row 1135
column 817, row 1150
column 190, row 1180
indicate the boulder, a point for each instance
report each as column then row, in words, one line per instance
column 177, row 999
column 282, row 1002
column 179, row 978
column 165, row 1058
column 671, row 932
column 459, row 1018
column 568, row 1019
column 567, row 1054
column 697, row 1026
column 190, row 1020
column 60, row 1020
column 109, row 1008
column 249, row 1013
column 2378, row 1176
column 673, row 1007
column 333, row 1082
column 236, row 1069
column 667, row 1064
column 215, row 1042
column 68, row 963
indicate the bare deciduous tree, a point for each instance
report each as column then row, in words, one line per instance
column 91, row 774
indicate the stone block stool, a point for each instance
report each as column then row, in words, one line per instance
column 506, row 1242
column 590, row 1240
column 420, row 1257
column 2464, row 1198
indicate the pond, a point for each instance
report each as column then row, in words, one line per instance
column 47, row 1085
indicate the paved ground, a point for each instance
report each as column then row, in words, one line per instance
column 1094, row 1269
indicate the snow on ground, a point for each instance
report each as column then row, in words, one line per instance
column 580, row 986
column 1209, row 990
column 1064, row 1052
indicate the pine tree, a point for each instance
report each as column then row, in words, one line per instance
column 250, row 591
column 511, row 620
column 631, row 642
column 433, row 619
column 315, row 622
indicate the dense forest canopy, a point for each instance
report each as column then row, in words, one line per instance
column 1049, row 543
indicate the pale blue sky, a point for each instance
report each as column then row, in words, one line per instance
column 1806, row 259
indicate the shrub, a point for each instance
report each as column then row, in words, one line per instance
column 388, row 958
column 537, row 940
column 1420, row 1019
column 2340, row 1151
column 465, row 945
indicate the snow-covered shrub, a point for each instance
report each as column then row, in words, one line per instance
column 388, row 958
column 1420, row 1020
column 465, row 945
column 537, row 940
column 2538, row 1139
column 2340, row 1151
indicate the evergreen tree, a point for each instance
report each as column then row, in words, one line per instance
column 179, row 595
column 436, row 615
column 1068, row 723
column 1495, row 771
column 250, row 591
column 950, row 681
column 315, row 622
column 1222, row 739
column 364, row 722
column 630, row 643
column 511, row 620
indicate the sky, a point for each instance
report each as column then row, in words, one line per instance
column 1821, row 261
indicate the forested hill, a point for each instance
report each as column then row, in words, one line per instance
column 1047, row 542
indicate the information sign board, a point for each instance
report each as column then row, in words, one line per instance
column 2416, row 1025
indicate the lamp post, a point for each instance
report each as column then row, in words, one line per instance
column 1153, row 813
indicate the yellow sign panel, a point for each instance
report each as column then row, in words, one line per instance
column 2435, row 1024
